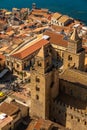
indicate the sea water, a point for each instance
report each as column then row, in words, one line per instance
column 74, row 8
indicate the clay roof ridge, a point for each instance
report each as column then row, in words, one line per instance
column 24, row 53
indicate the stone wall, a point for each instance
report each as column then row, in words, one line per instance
column 73, row 90
column 72, row 60
column 70, row 117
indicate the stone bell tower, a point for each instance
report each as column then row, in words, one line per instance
column 44, row 83
column 74, row 56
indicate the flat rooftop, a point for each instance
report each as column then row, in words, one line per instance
column 5, row 121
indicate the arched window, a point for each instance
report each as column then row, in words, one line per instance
column 69, row 65
column 85, row 123
column 37, row 79
column 39, row 63
column 71, row 117
column 37, row 97
column 78, row 120
column 69, row 57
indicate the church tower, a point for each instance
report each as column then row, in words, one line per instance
column 44, row 83
column 74, row 56
column 34, row 6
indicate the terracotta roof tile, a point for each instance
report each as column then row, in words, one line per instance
column 2, row 36
column 5, row 121
column 23, row 10
column 56, row 15
column 40, row 10
column 57, row 39
column 38, row 124
column 85, row 47
column 9, row 109
column 64, row 18
column 75, row 76
column 2, row 57
column 10, row 33
column 31, row 49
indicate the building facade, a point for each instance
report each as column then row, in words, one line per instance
column 60, row 97
column 44, row 83
column 74, row 56
column 70, row 107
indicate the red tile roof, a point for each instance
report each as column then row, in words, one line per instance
column 38, row 124
column 3, row 36
column 41, row 123
column 56, row 39
column 85, row 47
column 23, row 10
column 9, row 109
column 31, row 49
column 2, row 57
